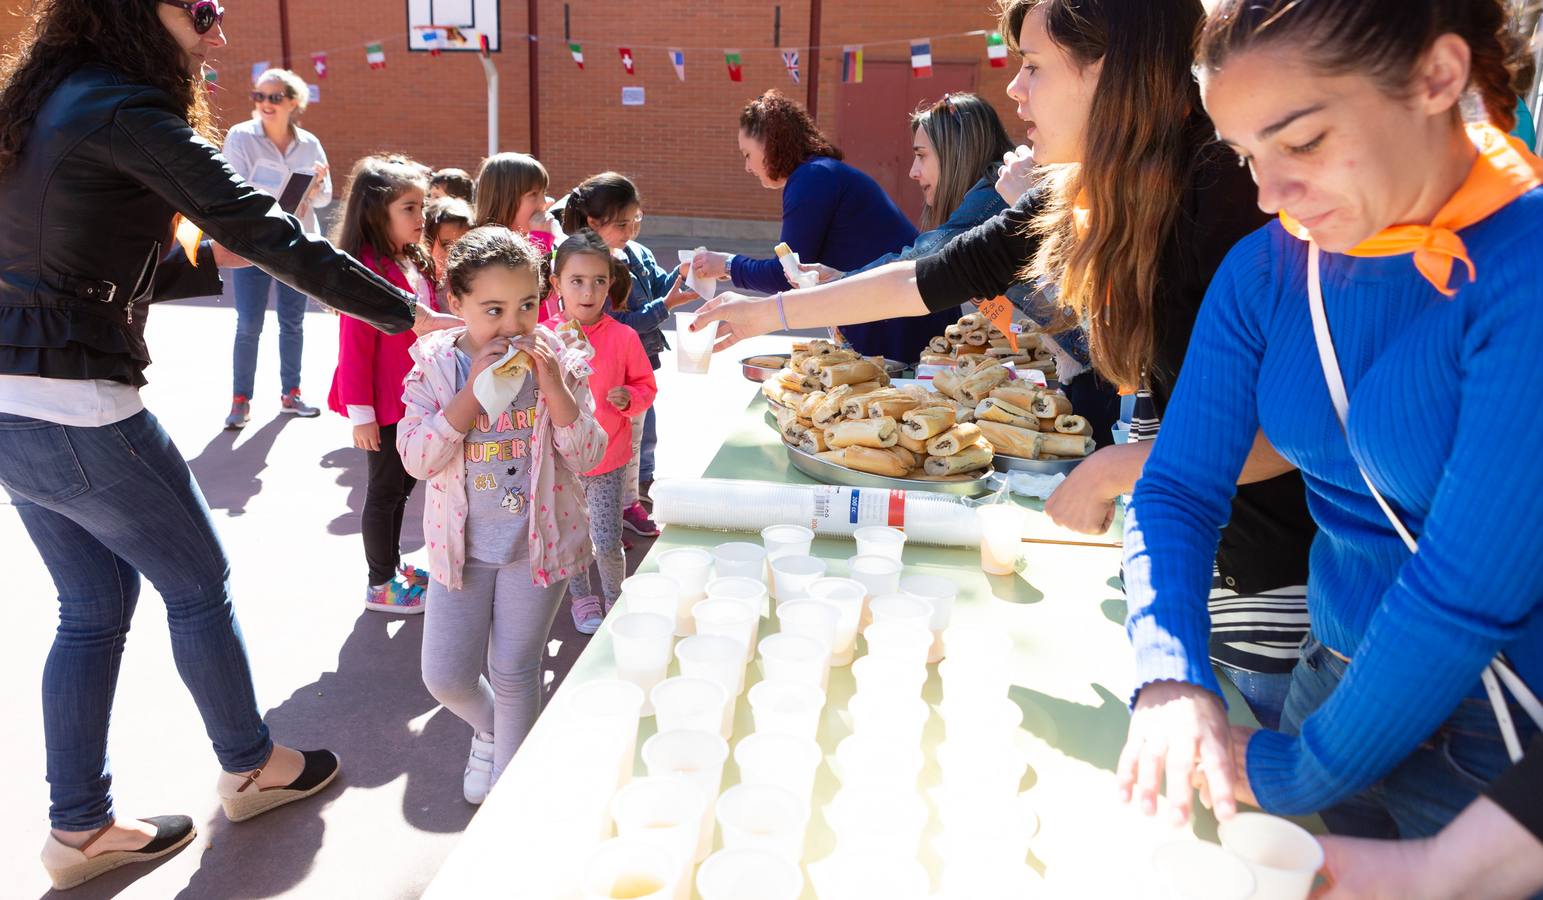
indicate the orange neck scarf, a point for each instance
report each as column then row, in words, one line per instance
column 1504, row 171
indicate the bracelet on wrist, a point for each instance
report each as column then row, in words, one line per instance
column 782, row 313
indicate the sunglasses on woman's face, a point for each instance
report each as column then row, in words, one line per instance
column 206, row 13
column 275, row 99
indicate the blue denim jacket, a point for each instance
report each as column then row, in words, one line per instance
column 645, row 312
column 981, row 203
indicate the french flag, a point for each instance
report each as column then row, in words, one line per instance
column 921, row 59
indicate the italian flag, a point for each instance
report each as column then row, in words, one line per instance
column 375, row 55
column 996, row 50
column 578, row 54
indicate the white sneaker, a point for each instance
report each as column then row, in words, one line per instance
column 479, row 770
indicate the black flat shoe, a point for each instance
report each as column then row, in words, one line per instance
column 70, row 867
column 243, row 799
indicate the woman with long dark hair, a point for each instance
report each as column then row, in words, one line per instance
column 106, row 137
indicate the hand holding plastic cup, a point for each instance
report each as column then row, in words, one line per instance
column 642, row 644
column 740, row 559
column 787, row 707
column 728, row 618
column 786, row 540
column 795, row 657
column 880, row 540
column 781, row 760
column 845, row 596
column 693, row 349
column 690, row 704
column 792, row 575
column 691, row 567
column 714, row 657
column 1283, row 856
column 1001, row 537
column 748, row 874
column 763, row 817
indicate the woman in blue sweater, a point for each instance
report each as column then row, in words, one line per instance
column 832, row 214
column 1347, row 112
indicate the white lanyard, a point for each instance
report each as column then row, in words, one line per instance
column 1498, row 671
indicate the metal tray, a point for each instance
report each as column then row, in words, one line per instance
column 762, row 373
column 1005, row 463
column 829, row 473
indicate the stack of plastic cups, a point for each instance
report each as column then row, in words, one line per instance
column 845, row 596
column 692, row 704
column 666, row 810
column 939, row 593
column 629, row 867
column 746, row 874
column 651, row 592
column 698, row 756
column 879, row 576
column 642, row 643
column 611, row 708
column 692, row 568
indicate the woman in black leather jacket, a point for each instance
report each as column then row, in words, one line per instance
column 105, row 136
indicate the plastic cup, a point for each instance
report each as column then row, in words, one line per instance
column 1283, row 856
column 795, row 657
column 714, row 657
column 941, row 593
column 691, row 704
column 763, row 817
column 982, row 770
column 889, row 718
column 578, row 802
column 781, row 760
column 811, row 618
column 845, row 596
column 1196, row 870
column 691, row 567
column 880, row 575
column 627, row 867
column 787, row 707
column 749, row 591
column 697, row 756
column 748, row 874
column 986, row 832
column 792, row 575
column 870, row 819
column 905, row 641
column 884, row 676
column 642, row 644
column 786, row 540
column 610, row 706
column 879, row 540
column 728, row 618
column 902, row 608
column 969, row 646
column 693, row 350
column 1001, row 537
column 666, row 810
column 651, row 592
column 966, row 684
column 985, row 722
column 866, row 761
column 891, row 875
column 740, row 559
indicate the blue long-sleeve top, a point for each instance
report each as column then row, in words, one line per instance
column 1437, row 392
column 838, row 216
column 645, row 312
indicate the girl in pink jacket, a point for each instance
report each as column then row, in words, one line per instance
column 505, row 520
column 624, row 388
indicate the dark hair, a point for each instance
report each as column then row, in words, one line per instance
column 503, row 181
column 621, row 281
column 374, row 184
column 788, row 131
column 456, row 182
column 970, row 142
column 601, row 197
column 445, row 211
column 579, row 243
column 487, row 246
column 1144, row 128
column 1382, row 39
column 126, row 36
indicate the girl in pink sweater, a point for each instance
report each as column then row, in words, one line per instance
column 383, row 228
column 505, row 521
column 624, row 388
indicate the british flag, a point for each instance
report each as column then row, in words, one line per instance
column 790, row 61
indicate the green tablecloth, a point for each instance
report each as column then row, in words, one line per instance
column 1071, row 671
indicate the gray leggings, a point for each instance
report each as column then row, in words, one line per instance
column 500, row 617
column 603, row 494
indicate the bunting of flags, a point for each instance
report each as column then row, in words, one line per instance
column 852, row 65
column 921, row 59
column 432, row 39
column 790, row 62
column 578, row 54
column 736, row 68
column 678, row 60
column 375, row 55
column 626, row 60
column 996, row 50
column 319, row 64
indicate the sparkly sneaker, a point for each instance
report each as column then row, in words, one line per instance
column 587, row 614
column 240, row 413
column 395, row 596
column 478, row 779
column 291, row 404
column 635, row 519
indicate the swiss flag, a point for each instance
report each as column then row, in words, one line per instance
column 626, row 60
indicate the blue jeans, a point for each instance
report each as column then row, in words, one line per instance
column 1433, row 784
column 646, row 452
column 103, row 506
column 1265, row 694
column 251, row 290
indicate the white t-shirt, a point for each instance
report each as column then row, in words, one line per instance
column 88, row 403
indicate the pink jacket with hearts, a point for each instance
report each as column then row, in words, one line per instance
column 431, row 451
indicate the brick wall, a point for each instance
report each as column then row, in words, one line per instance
column 679, row 147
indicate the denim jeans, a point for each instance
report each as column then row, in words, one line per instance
column 650, row 441
column 1433, row 784
column 1265, row 693
column 251, row 289
column 103, row 507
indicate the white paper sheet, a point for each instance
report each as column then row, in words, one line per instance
column 704, row 287
column 1034, row 484
column 497, row 392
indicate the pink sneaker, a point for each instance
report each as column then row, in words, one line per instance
column 635, row 519
column 587, row 614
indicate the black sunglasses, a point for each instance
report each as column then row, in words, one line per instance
column 275, row 99
column 206, row 13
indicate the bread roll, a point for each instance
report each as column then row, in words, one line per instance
column 981, row 382
column 947, row 382
column 856, row 406
column 1019, row 393
column 953, row 334
column 1073, row 425
column 937, row 359
column 1068, row 445
column 953, row 440
column 518, row 364
column 974, row 322
column 1049, row 405
column 1011, row 440
column 921, row 424
column 995, row 409
column 809, row 402
column 851, row 373
column 812, row 441
column 939, row 345
column 891, row 407
column 977, row 339
column 828, row 411
column 975, row 456
column 915, row 445
column 874, row 462
column 876, row 433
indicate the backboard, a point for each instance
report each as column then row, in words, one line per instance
column 460, row 25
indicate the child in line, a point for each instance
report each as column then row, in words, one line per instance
column 451, row 183
column 610, row 205
column 382, row 227
column 624, row 387
column 511, row 191
column 446, row 220
column 505, row 525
